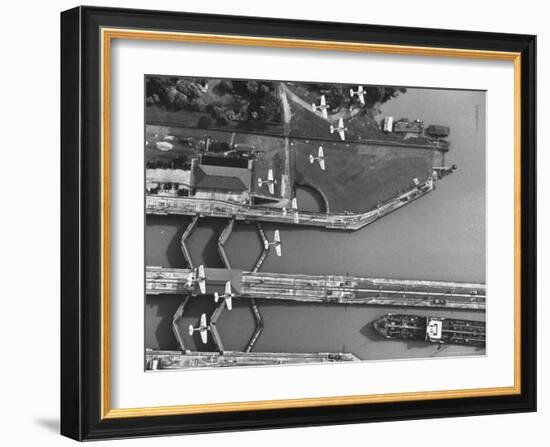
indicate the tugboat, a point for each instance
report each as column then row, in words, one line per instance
column 432, row 329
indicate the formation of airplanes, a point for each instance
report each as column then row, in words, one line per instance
column 320, row 158
column 323, row 107
column 276, row 243
column 294, row 208
column 340, row 128
column 270, row 182
column 203, row 328
column 360, row 93
column 227, row 296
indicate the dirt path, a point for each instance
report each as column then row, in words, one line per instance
column 332, row 117
column 287, row 179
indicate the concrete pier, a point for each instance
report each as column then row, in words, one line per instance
column 162, row 360
column 330, row 289
column 190, row 206
column 223, row 239
column 184, row 238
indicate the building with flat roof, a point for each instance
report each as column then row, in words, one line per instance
column 221, row 182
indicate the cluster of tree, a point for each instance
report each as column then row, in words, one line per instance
column 250, row 101
column 174, row 93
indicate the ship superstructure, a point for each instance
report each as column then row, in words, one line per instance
column 432, row 329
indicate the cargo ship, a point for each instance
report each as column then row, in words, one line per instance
column 432, row 329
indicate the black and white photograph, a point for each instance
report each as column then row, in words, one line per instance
column 304, row 222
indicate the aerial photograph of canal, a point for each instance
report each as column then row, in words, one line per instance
column 303, row 222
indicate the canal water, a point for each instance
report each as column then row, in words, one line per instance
column 439, row 237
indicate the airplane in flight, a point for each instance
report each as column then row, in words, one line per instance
column 199, row 278
column 227, row 296
column 323, row 107
column 320, row 158
column 341, row 129
column 294, row 208
column 270, row 182
column 360, row 93
column 202, row 328
column 276, row 243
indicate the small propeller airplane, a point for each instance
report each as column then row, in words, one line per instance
column 276, row 243
column 360, row 93
column 227, row 296
column 294, row 208
column 199, row 278
column 202, row 329
column 323, row 107
column 270, row 182
column 320, row 158
column 341, row 129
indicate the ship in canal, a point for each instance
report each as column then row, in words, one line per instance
column 432, row 329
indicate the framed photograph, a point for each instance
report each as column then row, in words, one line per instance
column 272, row 223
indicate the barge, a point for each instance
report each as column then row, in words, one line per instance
column 431, row 329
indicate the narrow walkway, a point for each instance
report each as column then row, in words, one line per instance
column 184, row 237
column 223, row 239
column 265, row 250
column 213, row 328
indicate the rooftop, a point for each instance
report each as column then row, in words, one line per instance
column 222, row 177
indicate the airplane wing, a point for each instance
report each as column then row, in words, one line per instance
column 294, row 203
column 360, row 88
column 271, row 188
column 229, row 303
column 204, row 336
column 203, row 320
column 202, row 280
column 325, row 114
column 320, row 152
column 341, row 122
column 228, row 288
column 342, row 135
column 362, row 99
column 270, row 174
column 296, row 217
column 323, row 100
column 278, row 250
column 322, row 164
column 277, row 236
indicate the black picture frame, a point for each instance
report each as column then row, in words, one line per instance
column 81, row 208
